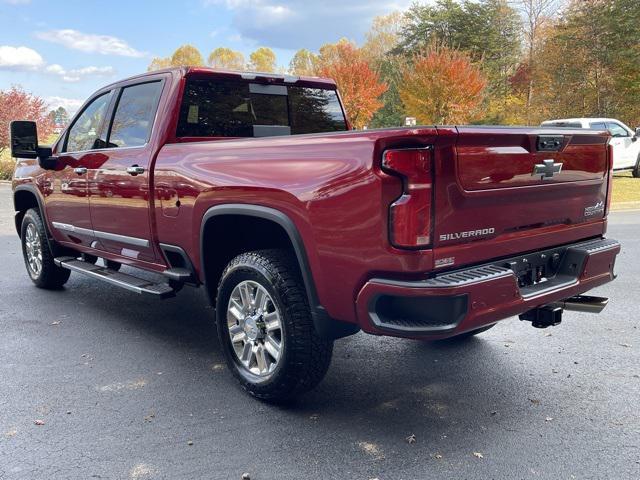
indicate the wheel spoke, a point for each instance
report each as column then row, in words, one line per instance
column 234, row 314
column 271, row 321
column 260, row 299
column 272, row 346
column 236, row 333
column 245, row 296
column 247, row 353
column 261, row 359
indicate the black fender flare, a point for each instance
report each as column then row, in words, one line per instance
column 325, row 325
column 32, row 189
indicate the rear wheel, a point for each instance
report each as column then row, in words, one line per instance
column 265, row 327
column 38, row 258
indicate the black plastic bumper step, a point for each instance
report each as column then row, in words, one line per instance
column 123, row 280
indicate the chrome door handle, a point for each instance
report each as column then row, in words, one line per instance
column 135, row 170
column 80, row 170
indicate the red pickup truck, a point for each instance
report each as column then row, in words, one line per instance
column 302, row 230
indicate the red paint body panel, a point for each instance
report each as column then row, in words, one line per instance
column 333, row 189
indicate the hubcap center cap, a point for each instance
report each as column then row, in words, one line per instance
column 251, row 329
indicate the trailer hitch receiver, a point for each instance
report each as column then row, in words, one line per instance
column 543, row 317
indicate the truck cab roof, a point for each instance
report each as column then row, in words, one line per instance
column 265, row 77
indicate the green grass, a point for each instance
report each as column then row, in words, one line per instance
column 625, row 189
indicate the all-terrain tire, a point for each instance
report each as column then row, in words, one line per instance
column 636, row 169
column 38, row 257
column 304, row 357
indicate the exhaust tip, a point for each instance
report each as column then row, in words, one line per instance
column 583, row 303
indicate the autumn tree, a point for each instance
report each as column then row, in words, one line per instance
column 442, row 86
column 159, row 63
column 591, row 63
column 263, row 60
column 304, row 62
column 359, row 85
column 488, row 31
column 184, row 56
column 380, row 51
column 226, row 58
column 535, row 14
column 16, row 104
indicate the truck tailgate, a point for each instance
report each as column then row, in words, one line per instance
column 498, row 186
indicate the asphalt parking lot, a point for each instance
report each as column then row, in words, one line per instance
column 131, row 388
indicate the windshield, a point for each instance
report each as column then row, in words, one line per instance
column 215, row 108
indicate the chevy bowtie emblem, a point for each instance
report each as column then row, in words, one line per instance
column 547, row 169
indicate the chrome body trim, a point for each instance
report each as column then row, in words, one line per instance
column 67, row 227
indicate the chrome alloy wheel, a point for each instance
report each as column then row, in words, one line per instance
column 255, row 328
column 33, row 247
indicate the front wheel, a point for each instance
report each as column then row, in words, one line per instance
column 265, row 326
column 38, row 257
column 636, row 169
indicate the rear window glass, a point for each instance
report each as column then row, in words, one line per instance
column 213, row 108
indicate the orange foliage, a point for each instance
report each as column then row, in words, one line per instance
column 359, row 86
column 442, row 86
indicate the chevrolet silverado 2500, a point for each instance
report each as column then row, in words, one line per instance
column 302, row 230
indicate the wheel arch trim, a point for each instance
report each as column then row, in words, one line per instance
column 325, row 325
column 36, row 193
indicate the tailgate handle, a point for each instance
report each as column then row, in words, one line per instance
column 550, row 143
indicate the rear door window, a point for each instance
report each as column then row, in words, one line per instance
column 214, row 108
column 598, row 126
column 135, row 112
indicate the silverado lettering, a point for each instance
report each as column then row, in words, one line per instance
column 473, row 233
column 302, row 230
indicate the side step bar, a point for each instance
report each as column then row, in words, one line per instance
column 122, row 280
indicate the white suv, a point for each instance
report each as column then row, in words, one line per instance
column 626, row 147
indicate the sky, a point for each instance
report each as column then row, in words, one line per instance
column 63, row 51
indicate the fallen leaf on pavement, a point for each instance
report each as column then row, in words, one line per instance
column 548, row 419
column 478, row 455
column 438, row 456
column 626, row 345
column 411, row 439
column 39, row 422
column 535, row 401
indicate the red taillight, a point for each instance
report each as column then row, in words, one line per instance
column 410, row 215
column 609, row 178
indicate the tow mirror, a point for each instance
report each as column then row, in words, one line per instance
column 24, row 139
column 24, row 144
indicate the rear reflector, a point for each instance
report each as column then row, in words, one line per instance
column 410, row 215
